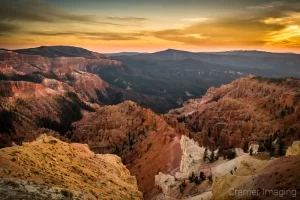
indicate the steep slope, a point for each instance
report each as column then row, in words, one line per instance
column 70, row 70
column 144, row 141
column 53, row 163
column 247, row 110
column 26, row 107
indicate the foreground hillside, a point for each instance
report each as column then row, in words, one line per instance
column 249, row 110
column 275, row 179
column 71, row 169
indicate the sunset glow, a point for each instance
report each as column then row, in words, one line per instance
column 147, row 26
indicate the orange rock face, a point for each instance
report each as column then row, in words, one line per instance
column 248, row 109
column 144, row 141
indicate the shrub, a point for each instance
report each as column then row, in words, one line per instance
column 205, row 155
column 67, row 193
column 77, row 169
column 212, row 157
column 52, row 142
column 182, row 187
column 197, row 180
column 192, row 177
column 11, row 183
column 6, row 121
column 231, row 155
column 202, row 176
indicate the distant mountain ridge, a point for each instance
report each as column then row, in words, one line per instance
column 58, row 51
column 125, row 54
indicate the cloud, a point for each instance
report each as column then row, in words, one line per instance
column 136, row 19
column 275, row 9
column 289, row 36
column 12, row 13
column 93, row 35
column 226, row 31
column 195, row 19
column 269, row 5
column 266, row 24
column 40, row 11
column 8, row 28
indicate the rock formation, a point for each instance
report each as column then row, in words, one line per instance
column 73, row 167
column 294, row 149
column 250, row 109
column 192, row 155
column 144, row 141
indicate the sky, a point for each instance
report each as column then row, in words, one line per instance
column 152, row 25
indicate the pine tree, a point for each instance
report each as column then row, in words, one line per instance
column 210, row 178
column 271, row 151
column 281, row 146
column 192, row 177
column 205, row 155
column 202, row 176
column 209, row 132
column 197, row 180
column 212, row 157
column 182, row 187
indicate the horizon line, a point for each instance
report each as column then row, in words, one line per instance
column 235, row 50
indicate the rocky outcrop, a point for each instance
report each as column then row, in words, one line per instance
column 254, row 148
column 26, row 107
column 192, row 155
column 165, row 182
column 294, row 149
column 74, row 167
column 144, row 141
column 247, row 110
column 192, row 162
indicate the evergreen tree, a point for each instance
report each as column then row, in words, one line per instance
column 209, row 132
column 205, row 155
column 192, row 177
column 202, row 176
column 281, row 147
column 231, row 155
column 182, row 187
column 271, row 151
column 212, row 157
column 197, row 180
column 210, row 178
